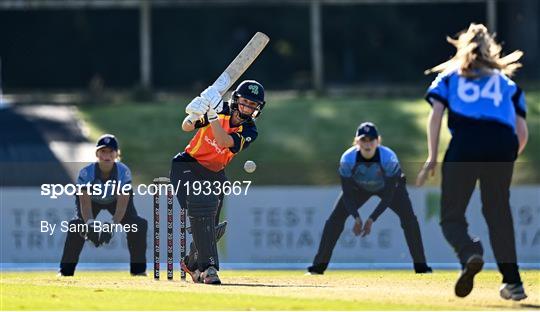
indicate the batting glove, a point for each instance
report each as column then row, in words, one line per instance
column 212, row 97
column 197, row 106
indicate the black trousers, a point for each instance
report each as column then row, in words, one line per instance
column 136, row 240
column 483, row 153
column 183, row 171
column 192, row 171
column 400, row 205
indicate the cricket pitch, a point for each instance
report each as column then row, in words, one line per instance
column 260, row 290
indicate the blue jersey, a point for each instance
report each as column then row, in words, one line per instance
column 370, row 175
column 488, row 98
column 103, row 193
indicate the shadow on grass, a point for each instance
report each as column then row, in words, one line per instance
column 269, row 285
column 515, row 306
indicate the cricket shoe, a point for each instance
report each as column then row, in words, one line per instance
column 422, row 268
column 465, row 282
column 317, row 269
column 195, row 275
column 512, row 291
column 313, row 273
column 141, row 274
column 210, row 276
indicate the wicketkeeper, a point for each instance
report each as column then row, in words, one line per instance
column 369, row 169
column 223, row 130
column 108, row 170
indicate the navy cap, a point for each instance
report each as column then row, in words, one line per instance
column 367, row 129
column 107, row 140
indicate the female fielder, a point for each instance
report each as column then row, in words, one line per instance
column 222, row 131
column 486, row 117
column 104, row 173
column 367, row 169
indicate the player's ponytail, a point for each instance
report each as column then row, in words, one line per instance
column 478, row 54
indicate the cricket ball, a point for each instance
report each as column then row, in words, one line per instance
column 250, row 166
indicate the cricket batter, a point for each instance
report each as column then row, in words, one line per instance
column 103, row 174
column 486, row 117
column 367, row 169
column 223, row 129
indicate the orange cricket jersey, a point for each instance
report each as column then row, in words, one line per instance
column 205, row 150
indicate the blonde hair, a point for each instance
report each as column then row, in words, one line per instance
column 478, row 54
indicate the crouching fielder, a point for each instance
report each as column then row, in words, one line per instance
column 223, row 130
column 367, row 169
column 108, row 170
column 486, row 117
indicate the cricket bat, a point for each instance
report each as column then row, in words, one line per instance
column 239, row 65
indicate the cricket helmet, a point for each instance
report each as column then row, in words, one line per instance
column 251, row 90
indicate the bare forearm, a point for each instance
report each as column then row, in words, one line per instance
column 86, row 207
column 522, row 133
column 433, row 137
column 121, row 206
column 223, row 139
column 434, row 130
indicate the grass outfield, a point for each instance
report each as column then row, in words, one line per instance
column 260, row 290
column 300, row 139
